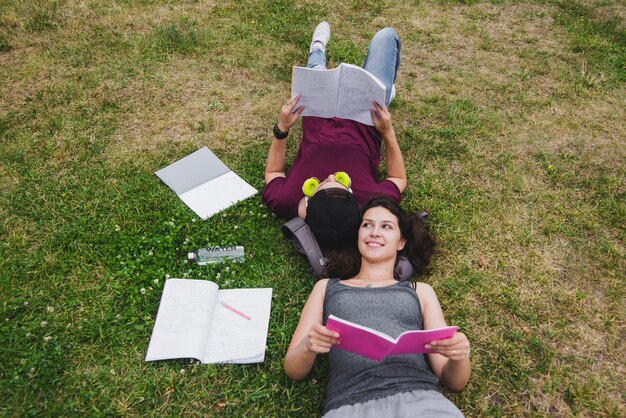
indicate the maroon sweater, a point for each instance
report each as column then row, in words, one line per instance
column 328, row 146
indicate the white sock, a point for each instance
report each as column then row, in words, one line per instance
column 318, row 45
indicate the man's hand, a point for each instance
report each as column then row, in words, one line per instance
column 382, row 119
column 396, row 173
column 275, row 165
column 287, row 116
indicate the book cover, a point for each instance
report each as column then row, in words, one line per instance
column 376, row 345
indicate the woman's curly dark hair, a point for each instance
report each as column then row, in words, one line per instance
column 419, row 248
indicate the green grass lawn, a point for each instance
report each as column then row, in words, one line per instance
column 511, row 116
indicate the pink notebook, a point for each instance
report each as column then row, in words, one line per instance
column 376, row 345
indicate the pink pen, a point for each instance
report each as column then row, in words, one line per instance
column 230, row 308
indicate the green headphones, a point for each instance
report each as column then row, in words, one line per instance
column 312, row 183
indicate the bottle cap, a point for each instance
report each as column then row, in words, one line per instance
column 191, row 256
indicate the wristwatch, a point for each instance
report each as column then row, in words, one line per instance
column 278, row 134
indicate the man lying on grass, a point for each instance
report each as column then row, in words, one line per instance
column 342, row 152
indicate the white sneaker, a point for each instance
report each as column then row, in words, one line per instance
column 320, row 37
column 393, row 93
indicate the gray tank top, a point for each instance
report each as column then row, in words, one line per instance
column 393, row 309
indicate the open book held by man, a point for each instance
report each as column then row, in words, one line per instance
column 346, row 92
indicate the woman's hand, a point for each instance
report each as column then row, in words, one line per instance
column 456, row 347
column 320, row 339
column 287, row 116
column 382, row 119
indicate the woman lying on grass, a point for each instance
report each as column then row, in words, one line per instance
column 400, row 385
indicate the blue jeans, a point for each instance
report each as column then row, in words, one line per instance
column 382, row 60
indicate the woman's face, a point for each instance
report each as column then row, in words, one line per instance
column 379, row 235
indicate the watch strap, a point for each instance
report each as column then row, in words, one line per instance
column 278, row 134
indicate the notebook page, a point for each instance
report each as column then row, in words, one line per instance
column 234, row 338
column 183, row 320
column 195, row 169
column 217, row 194
column 318, row 90
column 357, row 91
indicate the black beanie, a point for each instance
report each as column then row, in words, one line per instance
column 334, row 220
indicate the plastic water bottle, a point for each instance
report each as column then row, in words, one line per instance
column 214, row 255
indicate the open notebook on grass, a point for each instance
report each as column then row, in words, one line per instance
column 197, row 320
column 204, row 183
column 345, row 92
column 377, row 345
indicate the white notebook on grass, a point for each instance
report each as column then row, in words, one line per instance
column 198, row 320
column 204, row 183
